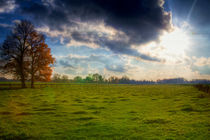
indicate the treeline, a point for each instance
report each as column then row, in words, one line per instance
column 97, row 78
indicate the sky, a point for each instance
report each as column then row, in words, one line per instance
column 142, row 39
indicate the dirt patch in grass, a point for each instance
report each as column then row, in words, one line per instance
column 156, row 121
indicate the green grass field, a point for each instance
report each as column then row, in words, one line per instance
column 105, row 112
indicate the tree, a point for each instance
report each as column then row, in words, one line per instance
column 78, row 79
column 113, row 79
column 56, row 77
column 124, row 80
column 97, row 78
column 64, row 78
column 40, row 58
column 14, row 51
column 26, row 55
column 89, row 78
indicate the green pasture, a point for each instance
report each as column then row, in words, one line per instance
column 90, row 111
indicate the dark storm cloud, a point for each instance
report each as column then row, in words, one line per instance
column 3, row 3
column 6, row 6
column 116, row 46
column 43, row 15
column 140, row 20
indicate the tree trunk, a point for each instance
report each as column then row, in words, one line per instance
column 32, row 71
column 22, row 76
column 23, row 85
column 32, row 81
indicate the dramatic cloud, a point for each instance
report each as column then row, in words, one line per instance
column 123, row 22
column 7, row 6
column 110, row 63
column 115, row 37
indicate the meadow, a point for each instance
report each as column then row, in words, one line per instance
column 90, row 111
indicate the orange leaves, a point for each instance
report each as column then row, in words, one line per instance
column 41, row 59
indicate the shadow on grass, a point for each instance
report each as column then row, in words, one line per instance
column 156, row 121
column 24, row 114
column 188, row 108
column 5, row 113
column 80, row 112
column 83, row 119
column 12, row 88
column 21, row 136
column 95, row 107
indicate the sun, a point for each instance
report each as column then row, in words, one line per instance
column 175, row 42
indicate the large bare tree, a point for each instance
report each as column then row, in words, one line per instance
column 14, row 51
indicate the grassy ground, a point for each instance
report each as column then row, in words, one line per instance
column 105, row 112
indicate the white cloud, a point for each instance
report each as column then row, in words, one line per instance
column 202, row 61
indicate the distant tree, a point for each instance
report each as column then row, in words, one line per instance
column 14, row 51
column 78, row 79
column 89, row 78
column 113, row 79
column 40, row 58
column 56, row 77
column 97, row 77
column 64, row 78
column 124, row 80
